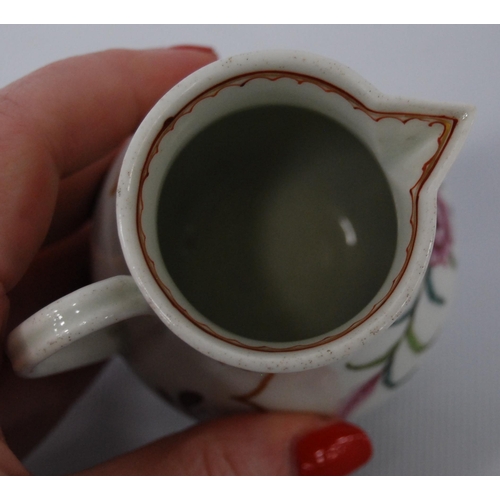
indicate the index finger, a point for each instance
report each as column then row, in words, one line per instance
column 64, row 116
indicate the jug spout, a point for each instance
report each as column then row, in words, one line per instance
column 415, row 143
column 418, row 145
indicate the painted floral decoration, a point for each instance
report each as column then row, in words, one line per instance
column 441, row 256
column 444, row 237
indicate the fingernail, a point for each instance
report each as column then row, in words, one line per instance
column 196, row 48
column 336, row 450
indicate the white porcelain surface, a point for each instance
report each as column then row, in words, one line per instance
column 445, row 418
column 205, row 369
column 204, row 387
column 415, row 143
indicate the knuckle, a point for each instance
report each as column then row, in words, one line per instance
column 205, row 455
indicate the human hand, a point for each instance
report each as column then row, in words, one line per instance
column 60, row 128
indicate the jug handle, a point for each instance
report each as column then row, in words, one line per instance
column 76, row 330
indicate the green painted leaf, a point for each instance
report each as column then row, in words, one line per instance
column 431, row 291
column 378, row 361
column 393, row 384
column 387, row 373
column 413, row 341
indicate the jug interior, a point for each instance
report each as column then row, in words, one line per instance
column 276, row 223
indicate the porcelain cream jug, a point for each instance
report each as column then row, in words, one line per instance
column 267, row 242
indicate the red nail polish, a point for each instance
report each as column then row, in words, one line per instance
column 196, row 48
column 336, row 450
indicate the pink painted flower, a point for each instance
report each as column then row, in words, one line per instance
column 359, row 396
column 444, row 237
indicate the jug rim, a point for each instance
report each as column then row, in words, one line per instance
column 334, row 77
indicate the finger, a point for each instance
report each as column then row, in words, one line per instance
column 265, row 444
column 82, row 107
column 30, row 407
column 63, row 117
column 9, row 463
column 58, row 269
column 76, row 198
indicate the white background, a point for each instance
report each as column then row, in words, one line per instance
column 446, row 419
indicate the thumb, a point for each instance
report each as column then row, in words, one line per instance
column 263, row 444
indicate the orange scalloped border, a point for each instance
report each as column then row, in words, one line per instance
column 449, row 125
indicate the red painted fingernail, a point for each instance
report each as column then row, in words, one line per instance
column 196, row 48
column 336, row 450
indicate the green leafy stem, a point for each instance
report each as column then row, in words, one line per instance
column 386, row 360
